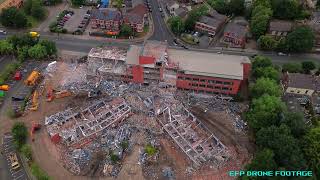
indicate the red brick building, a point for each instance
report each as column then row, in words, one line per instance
column 235, row 35
column 106, row 19
column 136, row 17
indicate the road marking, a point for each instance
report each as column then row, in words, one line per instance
column 20, row 170
column 19, row 177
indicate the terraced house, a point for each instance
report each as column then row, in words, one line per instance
column 107, row 19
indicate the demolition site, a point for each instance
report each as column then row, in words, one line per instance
column 144, row 112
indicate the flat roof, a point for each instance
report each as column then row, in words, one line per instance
column 209, row 64
column 154, row 49
column 133, row 54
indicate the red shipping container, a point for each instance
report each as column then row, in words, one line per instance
column 17, row 76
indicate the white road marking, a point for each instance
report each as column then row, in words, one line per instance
column 20, row 170
column 19, row 176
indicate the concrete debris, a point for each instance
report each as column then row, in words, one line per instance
column 168, row 173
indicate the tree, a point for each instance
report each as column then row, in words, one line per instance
column 300, row 40
column 265, row 86
column 194, row 16
column 150, row 150
column 260, row 20
column 318, row 4
column 22, row 53
column 287, row 151
column 221, row 6
column 37, row 51
column 285, row 9
column 78, row 2
column 12, row 17
column 19, row 132
column 50, row 46
column 37, row 10
column 295, row 121
column 263, row 160
column 236, row 7
column 268, row 72
column 22, row 40
column 265, row 111
column 26, row 151
column 261, row 62
column 266, row 42
column 6, row 47
column 126, row 30
column 27, row 6
column 311, row 148
column 292, row 67
column 176, row 24
column 119, row 3
column 308, row 66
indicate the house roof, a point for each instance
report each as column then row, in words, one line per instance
column 209, row 64
column 181, row 12
column 303, row 81
column 171, row 3
column 280, row 25
column 154, row 49
column 210, row 21
column 237, row 30
column 136, row 14
column 106, row 14
column 133, row 54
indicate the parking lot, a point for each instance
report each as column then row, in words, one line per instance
column 72, row 24
column 7, row 148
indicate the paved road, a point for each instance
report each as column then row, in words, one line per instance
column 8, row 172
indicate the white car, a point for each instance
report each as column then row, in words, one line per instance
column 281, row 54
column 219, row 52
column 3, row 32
column 81, row 7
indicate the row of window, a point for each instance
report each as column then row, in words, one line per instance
column 205, row 80
column 206, row 28
column 212, row 87
column 204, row 91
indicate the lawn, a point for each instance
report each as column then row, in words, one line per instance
column 33, row 22
column 188, row 38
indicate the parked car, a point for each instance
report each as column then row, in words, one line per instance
column 150, row 10
column 81, row 7
column 3, row 32
column 281, row 54
column 160, row 9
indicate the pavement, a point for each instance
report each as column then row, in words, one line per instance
column 7, row 171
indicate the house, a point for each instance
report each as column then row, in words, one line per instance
column 280, row 28
column 315, row 25
column 107, row 19
column 235, row 35
column 132, row 3
column 211, row 24
column 171, row 6
column 181, row 12
column 11, row 3
column 136, row 17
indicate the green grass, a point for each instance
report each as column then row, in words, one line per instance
column 188, row 38
column 33, row 22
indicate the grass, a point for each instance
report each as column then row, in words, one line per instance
column 38, row 172
column 33, row 22
column 188, row 38
column 150, row 150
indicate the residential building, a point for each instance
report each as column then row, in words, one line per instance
column 136, row 17
column 280, row 28
column 132, row 3
column 171, row 6
column 107, row 19
column 235, row 35
column 211, row 24
column 181, row 12
column 11, row 3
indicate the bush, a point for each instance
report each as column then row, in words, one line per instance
column 7, row 72
column 38, row 172
column 26, row 151
column 292, row 67
column 20, row 134
column 150, row 150
column 114, row 158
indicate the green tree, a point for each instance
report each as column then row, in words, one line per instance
column 295, row 121
column 221, row 6
column 260, row 20
column 261, row 62
column 119, row 3
column 176, row 24
column 292, row 67
column 22, row 53
column 236, row 7
column 285, row 9
column 150, row 150
column 6, row 47
column 50, row 46
column 265, row 86
column 268, row 72
column 20, row 133
column 266, row 42
column 265, row 111
column 287, row 151
column 311, row 148
column 126, row 30
column 318, row 5
column 37, row 51
column 308, row 66
column 22, row 40
column 78, row 2
column 194, row 16
column 300, row 40
column 265, row 3
column 263, row 160
column 37, row 10
column 27, row 6
column 12, row 17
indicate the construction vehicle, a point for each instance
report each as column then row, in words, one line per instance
column 34, row 34
column 32, row 78
column 13, row 160
column 34, row 128
column 49, row 94
column 62, row 94
column 4, row 87
column 35, row 103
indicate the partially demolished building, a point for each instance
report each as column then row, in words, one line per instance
column 187, row 70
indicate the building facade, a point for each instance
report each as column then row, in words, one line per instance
column 235, row 35
column 211, row 24
column 106, row 19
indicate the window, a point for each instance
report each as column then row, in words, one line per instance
column 195, row 79
column 202, row 85
column 196, row 85
column 218, row 82
column 202, row 80
column 211, row 81
column 180, row 77
column 227, row 83
column 211, row 87
column 217, row 87
column 188, row 78
column 225, row 88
